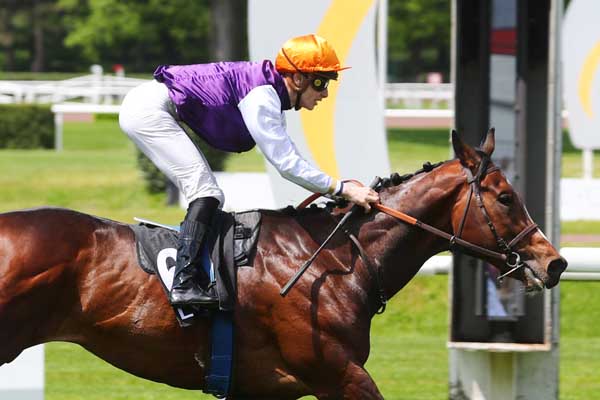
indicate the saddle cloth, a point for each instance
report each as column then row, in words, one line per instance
column 230, row 243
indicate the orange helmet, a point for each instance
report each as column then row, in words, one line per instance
column 309, row 54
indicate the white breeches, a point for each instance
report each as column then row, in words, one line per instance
column 148, row 117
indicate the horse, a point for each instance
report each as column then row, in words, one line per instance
column 68, row 276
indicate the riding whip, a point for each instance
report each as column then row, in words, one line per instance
column 308, row 262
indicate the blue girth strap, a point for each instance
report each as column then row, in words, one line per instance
column 219, row 372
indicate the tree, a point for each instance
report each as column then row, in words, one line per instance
column 418, row 38
column 7, row 33
column 15, row 33
column 70, row 35
column 38, row 9
column 138, row 34
column 228, row 37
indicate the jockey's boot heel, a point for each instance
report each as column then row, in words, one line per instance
column 186, row 292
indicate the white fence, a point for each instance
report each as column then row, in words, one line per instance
column 107, row 89
column 60, row 110
column 584, row 264
column 420, row 95
column 94, row 88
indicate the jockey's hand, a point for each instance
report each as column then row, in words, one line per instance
column 361, row 195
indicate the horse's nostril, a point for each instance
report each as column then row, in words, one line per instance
column 555, row 268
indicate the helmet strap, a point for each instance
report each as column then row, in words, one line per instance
column 298, row 95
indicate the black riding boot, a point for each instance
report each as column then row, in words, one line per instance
column 185, row 290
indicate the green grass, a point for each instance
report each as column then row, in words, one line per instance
column 74, row 374
column 96, row 173
column 580, row 227
column 409, row 149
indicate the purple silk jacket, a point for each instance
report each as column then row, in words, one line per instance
column 206, row 97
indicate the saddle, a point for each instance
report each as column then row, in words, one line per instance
column 230, row 244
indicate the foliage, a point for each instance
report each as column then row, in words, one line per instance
column 26, row 127
column 31, row 38
column 138, row 34
column 418, row 39
column 69, row 35
column 155, row 180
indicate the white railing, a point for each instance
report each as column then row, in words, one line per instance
column 108, row 89
column 584, row 264
column 419, row 95
column 60, row 110
column 95, row 89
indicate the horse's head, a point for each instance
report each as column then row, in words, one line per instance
column 489, row 213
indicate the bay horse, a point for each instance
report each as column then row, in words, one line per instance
column 68, row 276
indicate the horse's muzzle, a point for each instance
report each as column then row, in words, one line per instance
column 555, row 269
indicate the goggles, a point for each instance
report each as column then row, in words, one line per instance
column 319, row 84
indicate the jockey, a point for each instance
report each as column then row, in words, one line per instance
column 232, row 106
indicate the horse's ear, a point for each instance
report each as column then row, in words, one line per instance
column 489, row 142
column 465, row 153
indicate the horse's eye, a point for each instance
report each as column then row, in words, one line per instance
column 505, row 198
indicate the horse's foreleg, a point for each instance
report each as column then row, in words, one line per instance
column 356, row 384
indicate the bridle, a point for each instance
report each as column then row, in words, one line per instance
column 508, row 255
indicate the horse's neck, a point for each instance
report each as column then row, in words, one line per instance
column 401, row 249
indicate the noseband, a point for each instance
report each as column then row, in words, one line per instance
column 508, row 255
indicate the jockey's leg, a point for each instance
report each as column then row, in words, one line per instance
column 149, row 118
column 191, row 237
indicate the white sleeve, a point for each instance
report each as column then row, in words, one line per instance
column 261, row 111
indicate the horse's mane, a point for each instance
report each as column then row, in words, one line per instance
column 396, row 179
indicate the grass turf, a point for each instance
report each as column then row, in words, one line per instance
column 96, row 173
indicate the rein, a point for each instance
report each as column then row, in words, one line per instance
column 454, row 240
